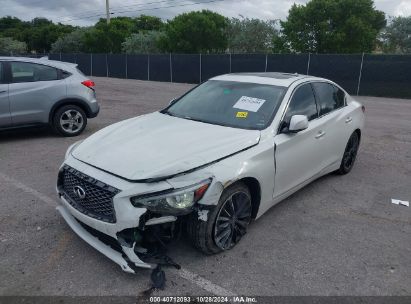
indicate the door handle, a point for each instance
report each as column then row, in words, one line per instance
column 348, row 120
column 320, row 134
column 3, row 91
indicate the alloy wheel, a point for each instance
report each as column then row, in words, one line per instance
column 351, row 152
column 71, row 121
column 232, row 220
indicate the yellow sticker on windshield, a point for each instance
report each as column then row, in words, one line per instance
column 242, row 114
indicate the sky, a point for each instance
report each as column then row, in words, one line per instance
column 87, row 12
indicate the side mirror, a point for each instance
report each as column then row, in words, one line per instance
column 298, row 123
column 172, row 101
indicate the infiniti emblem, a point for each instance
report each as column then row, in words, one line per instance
column 80, row 192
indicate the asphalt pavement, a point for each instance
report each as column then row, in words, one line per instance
column 340, row 235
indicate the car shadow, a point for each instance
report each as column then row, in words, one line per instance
column 26, row 134
column 183, row 247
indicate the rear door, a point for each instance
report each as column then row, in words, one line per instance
column 33, row 90
column 333, row 117
column 5, row 119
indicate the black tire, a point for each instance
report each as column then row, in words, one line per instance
column 203, row 234
column 69, row 120
column 350, row 154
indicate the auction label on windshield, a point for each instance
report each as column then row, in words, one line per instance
column 242, row 114
column 249, row 104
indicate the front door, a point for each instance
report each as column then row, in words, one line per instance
column 298, row 157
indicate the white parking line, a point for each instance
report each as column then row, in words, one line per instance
column 28, row 189
column 183, row 273
column 204, row 283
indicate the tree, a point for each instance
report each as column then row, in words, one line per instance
column 143, row 42
column 42, row 33
column 10, row 46
column 147, row 23
column 251, row 35
column 107, row 38
column 73, row 42
column 13, row 27
column 38, row 34
column 333, row 26
column 396, row 37
column 195, row 32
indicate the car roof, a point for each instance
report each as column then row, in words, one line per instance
column 43, row 60
column 269, row 78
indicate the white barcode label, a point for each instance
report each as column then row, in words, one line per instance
column 249, row 104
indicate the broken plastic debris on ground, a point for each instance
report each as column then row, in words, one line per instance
column 157, row 253
column 400, row 202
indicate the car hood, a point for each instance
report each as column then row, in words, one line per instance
column 156, row 146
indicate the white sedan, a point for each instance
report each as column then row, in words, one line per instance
column 213, row 160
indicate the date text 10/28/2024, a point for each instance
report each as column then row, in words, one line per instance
column 205, row 299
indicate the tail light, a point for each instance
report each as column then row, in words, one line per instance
column 363, row 109
column 89, row 83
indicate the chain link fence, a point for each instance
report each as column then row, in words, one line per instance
column 359, row 74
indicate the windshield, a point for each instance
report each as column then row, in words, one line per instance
column 228, row 103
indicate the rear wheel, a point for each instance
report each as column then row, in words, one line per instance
column 350, row 154
column 226, row 224
column 69, row 120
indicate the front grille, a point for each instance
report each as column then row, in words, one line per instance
column 97, row 201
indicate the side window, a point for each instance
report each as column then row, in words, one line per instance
column 302, row 103
column 339, row 97
column 29, row 72
column 329, row 97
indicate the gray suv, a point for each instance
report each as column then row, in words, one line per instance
column 41, row 91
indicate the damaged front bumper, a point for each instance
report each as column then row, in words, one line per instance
column 112, row 254
column 127, row 239
column 122, row 254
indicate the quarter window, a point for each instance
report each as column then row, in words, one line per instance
column 302, row 103
column 29, row 72
column 329, row 97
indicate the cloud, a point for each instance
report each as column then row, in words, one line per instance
column 403, row 9
column 78, row 12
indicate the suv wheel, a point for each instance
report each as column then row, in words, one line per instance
column 69, row 120
column 226, row 224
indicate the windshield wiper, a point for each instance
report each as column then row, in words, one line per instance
column 186, row 117
column 168, row 113
column 195, row 119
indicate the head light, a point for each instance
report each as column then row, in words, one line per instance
column 181, row 201
column 178, row 201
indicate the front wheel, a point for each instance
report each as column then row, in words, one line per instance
column 226, row 224
column 350, row 154
column 69, row 120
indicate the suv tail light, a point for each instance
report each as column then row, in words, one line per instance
column 89, row 83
